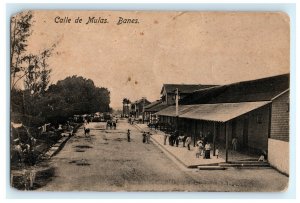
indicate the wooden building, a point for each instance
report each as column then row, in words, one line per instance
column 168, row 91
column 137, row 107
column 250, row 111
column 153, row 108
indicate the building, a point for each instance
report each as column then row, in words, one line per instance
column 168, row 91
column 137, row 107
column 255, row 112
column 168, row 98
column 278, row 141
column 153, row 108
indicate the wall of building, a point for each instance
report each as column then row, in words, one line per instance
column 258, row 129
column 171, row 98
column 278, row 155
column 280, row 118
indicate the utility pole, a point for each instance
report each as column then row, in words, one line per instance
column 177, row 109
column 143, row 109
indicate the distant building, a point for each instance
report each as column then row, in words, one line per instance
column 153, row 108
column 137, row 107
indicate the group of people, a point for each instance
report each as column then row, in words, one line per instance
column 131, row 120
column 175, row 139
column 146, row 137
column 204, row 149
column 203, row 145
column 110, row 124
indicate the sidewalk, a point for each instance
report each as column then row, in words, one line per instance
column 182, row 154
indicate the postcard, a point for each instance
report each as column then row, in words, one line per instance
column 149, row 101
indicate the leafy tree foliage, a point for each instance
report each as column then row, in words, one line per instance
column 71, row 96
column 76, row 95
column 20, row 25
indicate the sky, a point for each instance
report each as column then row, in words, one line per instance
column 135, row 60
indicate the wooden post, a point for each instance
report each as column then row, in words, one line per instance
column 214, row 139
column 195, row 132
column 226, row 138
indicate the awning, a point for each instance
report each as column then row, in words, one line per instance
column 157, row 108
column 171, row 110
column 221, row 112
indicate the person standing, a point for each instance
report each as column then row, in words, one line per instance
column 128, row 135
column 217, row 152
column 144, row 137
column 207, row 149
column 148, row 137
column 165, row 138
column 200, row 149
column 188, row 142
column 234, row 143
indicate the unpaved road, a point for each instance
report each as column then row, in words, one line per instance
column 107, row 162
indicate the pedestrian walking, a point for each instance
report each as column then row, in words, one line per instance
column 128, row 135
column 188, row 142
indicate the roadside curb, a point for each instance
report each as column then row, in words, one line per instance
column 56, row 147
column 166, row 151
column 171, row 154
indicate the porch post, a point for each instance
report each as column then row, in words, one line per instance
column 214, row 139
column 226, row 138
column 195, row 131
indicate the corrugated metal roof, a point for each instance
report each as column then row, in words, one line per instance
column 157, row 108
column 184, row 88
column 171, row 110
column 246, row 91
column 221, row 112
column 153, row 104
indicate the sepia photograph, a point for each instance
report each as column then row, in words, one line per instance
column 149, row 101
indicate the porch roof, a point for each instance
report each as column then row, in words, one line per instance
column 171, row 110
column 220, row 112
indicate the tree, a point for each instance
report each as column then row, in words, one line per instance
column 34, row 68
column 74, row 95
column 45, row 71
column 20, row 25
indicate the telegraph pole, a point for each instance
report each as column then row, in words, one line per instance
column 144, row 109
column 177, row 107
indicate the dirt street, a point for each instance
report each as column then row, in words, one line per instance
column 106, row 161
